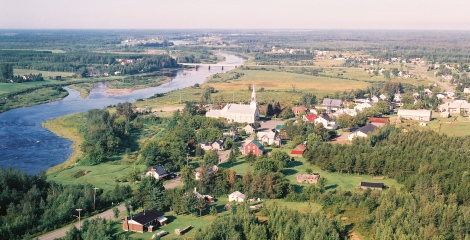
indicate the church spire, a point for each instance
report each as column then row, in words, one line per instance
column 254, row 103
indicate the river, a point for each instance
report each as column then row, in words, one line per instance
column 26, row 145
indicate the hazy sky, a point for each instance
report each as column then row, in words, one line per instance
column 246, row 14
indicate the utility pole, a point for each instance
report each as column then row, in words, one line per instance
column 94, row 199
column 79, row 225
column 187, row 159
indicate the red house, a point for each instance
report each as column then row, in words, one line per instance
column 310, row 117
column 299, row 150
column 254, row 147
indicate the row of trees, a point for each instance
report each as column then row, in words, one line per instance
column 32, row 205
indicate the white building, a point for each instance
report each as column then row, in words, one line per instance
column 421, row 115
column 238, row 112
column 327, row 122
column 236, row 196
column 362, row 132
column 269, row 137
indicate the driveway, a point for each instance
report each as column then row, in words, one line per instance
column 107, row 215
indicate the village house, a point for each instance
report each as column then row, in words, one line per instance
column 326, row 120
column 466, row 90
column 362, row 132
column 250, row 128
column 218, row 145
column 241, row 113
column 236, row 197
column 254, row 147
column 299, row 109
column 298, row 150
column 269, row 137
column 378, row 122
column 420, row 115
column 144, row 221
column 455, row 107
column 331, row 104
column 206, row 146
column 375, row 99
column 157, row 173
column 363, row 106
column 383, row 97
column 209, row 169
column 373, row 186
column 397, row 97
column 310, row 117
column 307, row 178
column 350, row 112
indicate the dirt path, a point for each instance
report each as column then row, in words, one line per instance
column 106, row 215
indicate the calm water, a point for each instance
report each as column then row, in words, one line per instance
column 20, row 129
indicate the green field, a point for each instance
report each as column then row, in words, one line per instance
column 6, row 88
column 45, row 74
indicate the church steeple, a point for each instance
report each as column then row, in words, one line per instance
column 254, row 103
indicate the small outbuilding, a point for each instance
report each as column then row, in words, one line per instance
column 299, row 150
column 157, row 173
column 373, row 186
column 236, row 196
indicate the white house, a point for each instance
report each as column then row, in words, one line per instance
column 157, row 172
column 375, row 98
column 218, row 145
column 455, row 107
column 206, row 146
column 327, row 122
column 269, row 137
column 362, row 132
column 466, row 90
column 236, row 196
column 362, row 106
column 397, row 97
column 383, row 97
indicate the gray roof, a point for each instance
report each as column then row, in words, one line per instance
column 367, row 128
column 239, row 108
column 160, row 171
column 332, row 102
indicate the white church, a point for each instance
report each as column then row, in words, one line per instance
column 238, row 112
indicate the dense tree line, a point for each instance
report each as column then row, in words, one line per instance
column 282, row 223
column 30, row 204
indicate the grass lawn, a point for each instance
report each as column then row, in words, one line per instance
column 456, row 125
column 103, row 175
column 6, row 88
column 348, row 182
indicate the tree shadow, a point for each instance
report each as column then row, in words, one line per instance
column 288, row 172
column 229, row 165
column 333, row 186
column 293, row 164
column 298, row 188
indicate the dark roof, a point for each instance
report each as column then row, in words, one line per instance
column 147, row 216
column 367, row 128
column 326, row 117
column 220, row 142
column 372, row 185
column 160, row 171
column 207, row 144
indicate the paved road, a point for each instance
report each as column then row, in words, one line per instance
column 107, row 215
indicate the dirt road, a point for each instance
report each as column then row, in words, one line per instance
column 107, row 215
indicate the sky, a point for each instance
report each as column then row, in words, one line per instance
column 235, row 14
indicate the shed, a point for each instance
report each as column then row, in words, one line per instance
column 373, row 186
column 236, row 196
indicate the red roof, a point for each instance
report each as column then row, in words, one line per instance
column 378, row 120
column 311, row 117
column 296, row 152
column 299, row 150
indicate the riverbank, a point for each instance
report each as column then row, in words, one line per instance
column 35, row 97
column 67, row 127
